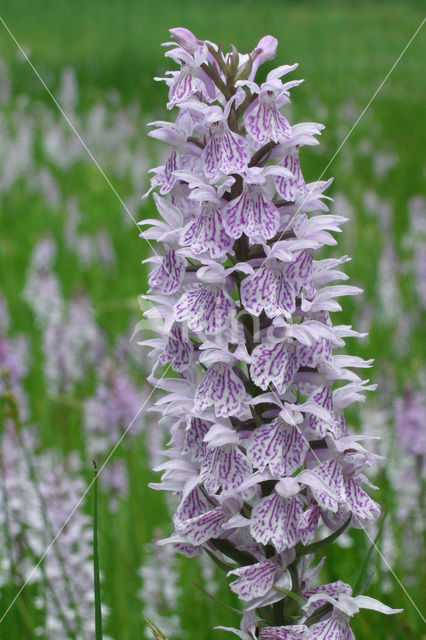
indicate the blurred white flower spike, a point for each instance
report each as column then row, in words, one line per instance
column 260, row 456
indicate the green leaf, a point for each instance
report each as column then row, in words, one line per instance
column 228, row 549
column 315, row 546
column 97, row 582
column 318, row 614
column 300, row 601
column 364, row 565
column 209, row 595
column 225, row 566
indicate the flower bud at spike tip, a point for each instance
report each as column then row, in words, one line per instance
column 268, row 48
column 185, row 38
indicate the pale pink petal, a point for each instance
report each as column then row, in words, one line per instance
column 198, row 530
column 206, row 233
column 279, row 446
column 254, row 580
column 274, row 519
column 331, row 629
column 290, row 188
column 207, row 308
column 360, row 502
column 168, row 277
column 264, row 122
column 225, row 467
column 222, row 388
column 177, row 351
column 193, row 444
column 252, row 214
column 289, row 632
column 274, row 364
column 331, row 473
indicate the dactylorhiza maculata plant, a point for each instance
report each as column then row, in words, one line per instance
column 260, row 457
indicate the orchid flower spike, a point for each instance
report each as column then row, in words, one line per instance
column 261, row 458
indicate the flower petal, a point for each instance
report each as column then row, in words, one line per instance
column 254, row 580
column 331, row 629
column 277, row 445
column 360, row 502
column 198, row 530
column 252, row 214
column 264, row 122
column 178, row 352
column 289, row 632
column 168, row 277
column 225, row 467
column 226, row 152
column 275, row 519
column 206, row 233
column 207, row 308
column 222, row 388
column 276, row 364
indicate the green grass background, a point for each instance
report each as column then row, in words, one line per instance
column 345, row 50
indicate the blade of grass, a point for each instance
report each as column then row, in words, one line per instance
column 97, row 582
column 368, row 556
column 158, row 635
column 209, row 595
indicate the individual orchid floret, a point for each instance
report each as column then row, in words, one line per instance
column 279, row 446
column 274, row 518
column 249, row 63
column 225, row 466
column 206, row 232
column 275, row 364
column 266, row 49
column 170, row 272
column 206, row 308
column 256, row 580
column 253, row 212
column 166, row 230
column 190, row 78
column 262, row 119
column 185, row 38
column 345, row 606
column 184, row 155
column 209, row 307
column 226, row 151
column 274, row 286
column 276, row 361
column 291, row 188
column 172, row 349
column 220, row 385
column 294, row 187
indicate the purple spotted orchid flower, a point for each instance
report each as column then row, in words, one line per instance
column 260, row 459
